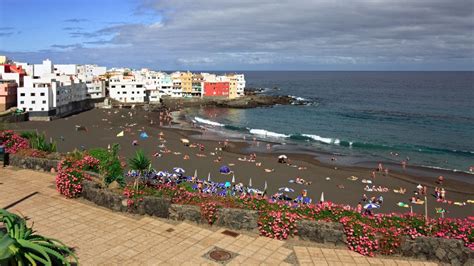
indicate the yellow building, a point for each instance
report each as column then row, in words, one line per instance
column 186, row 83
column 232, row 86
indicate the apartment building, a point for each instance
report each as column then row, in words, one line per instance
column 127, row 88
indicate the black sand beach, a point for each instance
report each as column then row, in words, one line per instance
column 103, row 125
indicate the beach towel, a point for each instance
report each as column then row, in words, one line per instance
column 402, row 204
column 120, row 134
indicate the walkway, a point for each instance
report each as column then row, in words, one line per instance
column 103, row 237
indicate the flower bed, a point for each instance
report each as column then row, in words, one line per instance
column 71, row 173
column 12, row 141
column 367, row 235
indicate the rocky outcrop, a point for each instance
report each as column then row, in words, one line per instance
column 321, row 232
column 237, row 219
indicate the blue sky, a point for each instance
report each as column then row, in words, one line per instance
column 242, row 35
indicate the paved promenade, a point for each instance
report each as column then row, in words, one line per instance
column 103, row 237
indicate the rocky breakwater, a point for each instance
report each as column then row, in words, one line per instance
column 246, row 101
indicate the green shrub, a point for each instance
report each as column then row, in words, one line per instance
column 39, row 142
column 20, row 245
column 28, row 134
column 110, row 166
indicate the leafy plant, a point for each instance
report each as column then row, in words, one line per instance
column 140, row 162
column 110, row 166
column 20, row 245
column 28, row 134
column 39, row 142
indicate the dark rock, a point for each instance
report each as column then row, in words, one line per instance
column 321, row 232
column 38, row 164
column 237, row 218
column 185, row 212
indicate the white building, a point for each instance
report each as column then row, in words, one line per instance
column 45, row 96
column 240, row 84
column 127, row 89
column 95, row 88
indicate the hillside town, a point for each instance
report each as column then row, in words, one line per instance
column 48, row 89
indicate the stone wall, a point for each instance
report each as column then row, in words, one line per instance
column 450, row 251
column 321, row 232
column 33, row 163
column 237, row 219
column 153, row 206
column 186, row 212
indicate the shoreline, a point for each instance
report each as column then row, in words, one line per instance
column 244, row 147
column 104, row 124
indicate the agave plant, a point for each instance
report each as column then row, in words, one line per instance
column 20, row 245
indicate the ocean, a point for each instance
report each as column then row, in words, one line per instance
column 425, row 117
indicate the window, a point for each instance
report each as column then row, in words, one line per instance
column 42, row 109
column 133, row 98
column 22, row 102
column 133, row 92
column 42, row 94
column 44, row 102
column 113, row 86
column 32, row 94
column 30, row 109
column 118, row 92
column 123, row 86
column 33, row 102
column 22, row 94
column 124, row 92
column 139, row 86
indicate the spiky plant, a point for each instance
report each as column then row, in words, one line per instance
column 39, row 142
column 139, row 163
column 20, row 245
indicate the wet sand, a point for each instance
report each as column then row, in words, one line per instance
column 104, row 124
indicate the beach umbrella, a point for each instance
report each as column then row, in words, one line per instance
column 370, row 206
column 227, row 184
column 224, row 169
column 209, row 177
column 120, row 134
column 282, row 156
column 161, row 174
column 143, row 135
column 286, row 189
column 185, row 141
column 265, row 187
column 322, row 197
column 250, row 182
column 178, row 170
column 195, row 173
column 233, row 178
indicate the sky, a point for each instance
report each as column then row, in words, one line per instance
column 242, row 35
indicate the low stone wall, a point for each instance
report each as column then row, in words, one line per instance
column 33, row 163
column 153, row 206
column 186, row 212
column 237, row 219
column 450, row 251
column 321, row 232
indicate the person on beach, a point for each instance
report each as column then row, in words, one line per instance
column 404, row 164
column 380, row 167
column 359, row 208
column 440, row 179
column 386, row 172
column 443, row 194
column 373, row 174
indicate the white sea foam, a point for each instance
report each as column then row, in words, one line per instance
column 266, row 133
column 322, row 139
column 208, row 122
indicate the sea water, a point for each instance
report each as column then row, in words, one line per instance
column 426, row 117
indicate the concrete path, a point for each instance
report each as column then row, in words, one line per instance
column 103, row 237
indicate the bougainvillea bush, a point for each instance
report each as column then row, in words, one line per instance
column 367, row 235
column 12, row 141
column 71, row 173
